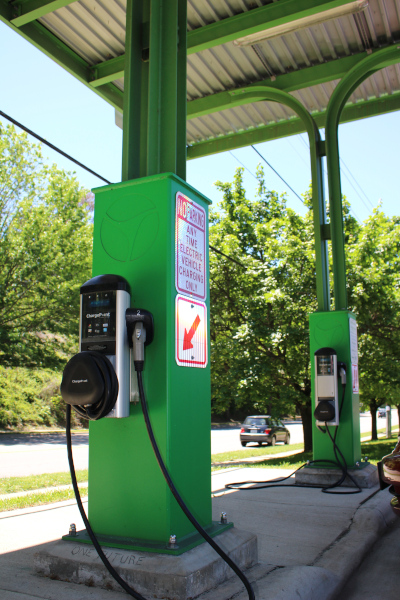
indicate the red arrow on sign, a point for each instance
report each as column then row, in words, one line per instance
column 188, row 336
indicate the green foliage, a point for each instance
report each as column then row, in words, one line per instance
column 373, row 258
column 260, row 307
column 45, row 244
column 260, row 304
column 31, row 397
column 21, row 402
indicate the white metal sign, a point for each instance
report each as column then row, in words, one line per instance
column 354, row 355
column 190, row 248
column 191, row 332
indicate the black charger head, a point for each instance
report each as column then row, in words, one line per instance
column 325, row 411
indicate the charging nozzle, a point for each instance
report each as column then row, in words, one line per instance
column 138, row 342
column 342, row 372
column 140, row 329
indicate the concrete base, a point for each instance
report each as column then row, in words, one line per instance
column 159, row 575
column 366, row 476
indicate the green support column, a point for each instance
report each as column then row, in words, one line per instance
column 321, row 228
column 136, row 236
column 343, row 90
column 134, row 144
column 333, row 329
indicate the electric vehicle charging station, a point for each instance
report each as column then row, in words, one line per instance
column 335, row 331
column 149, row 463
column 134, row 237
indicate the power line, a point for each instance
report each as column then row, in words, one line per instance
column 326, row 175
column 351, row 174
column 276, row 172
column 43, row 141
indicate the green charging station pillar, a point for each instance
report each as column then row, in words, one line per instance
column 338, row 330
column 154, row 232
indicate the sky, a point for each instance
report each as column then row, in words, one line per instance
column 45, row 98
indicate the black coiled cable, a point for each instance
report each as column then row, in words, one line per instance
column 171, row 486
column 128, row 589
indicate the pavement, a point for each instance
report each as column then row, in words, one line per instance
column 311, row 545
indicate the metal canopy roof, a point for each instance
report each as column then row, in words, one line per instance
column 305, row 48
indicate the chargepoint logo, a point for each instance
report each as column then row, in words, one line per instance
column 80, row 381
column 97, row 315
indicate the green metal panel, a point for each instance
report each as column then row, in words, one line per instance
column 344, row 89
column 134, row 237
column 30, row 10
column 256, row 20
column 332, row 330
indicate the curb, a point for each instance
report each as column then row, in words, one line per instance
column 369, row 523
column 326, row 577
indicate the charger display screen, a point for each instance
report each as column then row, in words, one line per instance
column 325, row 365
column 98, row 318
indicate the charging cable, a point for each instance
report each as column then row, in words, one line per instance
column 139, row 338
column 128, row 589
column 257, row 485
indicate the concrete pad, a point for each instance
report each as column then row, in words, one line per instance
column 161, row 575
column 305, row 557
column 365, row 476
column 293, row 525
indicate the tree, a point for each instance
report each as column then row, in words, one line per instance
column 263, row 289
column 260, row 304
column 45, row 245
column 374, row 296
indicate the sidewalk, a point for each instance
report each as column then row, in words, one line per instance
column 309, row 543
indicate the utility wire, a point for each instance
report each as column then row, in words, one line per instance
column 38, row 137
column 356, row 182
column 276, row 172
column 351, row 174
column 243, row 165
column 43, row 141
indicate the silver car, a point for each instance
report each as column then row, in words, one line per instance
column 263, row 429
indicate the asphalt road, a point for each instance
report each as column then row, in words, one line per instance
column 22, row 454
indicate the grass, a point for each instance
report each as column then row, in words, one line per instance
column 11, row 485
column 253, row 451
column 365, row 434
column 373, row 450
column 39, row 498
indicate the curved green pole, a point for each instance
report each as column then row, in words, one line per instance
column 344, row 89
column 258, row 93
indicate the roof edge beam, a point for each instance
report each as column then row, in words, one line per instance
column 108, row 71
column 265, row 133
column 44, row 40
column 256, row 20
column 26, row 12
column 288, row 82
